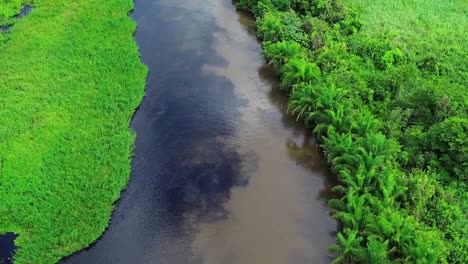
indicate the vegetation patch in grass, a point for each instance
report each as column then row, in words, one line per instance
column 70, row 80
column 432, row 33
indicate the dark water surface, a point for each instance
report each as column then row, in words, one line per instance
column 221, row 174
column 7, row 247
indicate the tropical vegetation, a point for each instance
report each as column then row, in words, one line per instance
column 70, row 80
column 383, row 85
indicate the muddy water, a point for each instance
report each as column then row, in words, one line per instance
column 221, row 173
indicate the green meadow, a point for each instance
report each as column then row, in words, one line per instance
column 70, row 81
column 429, row 31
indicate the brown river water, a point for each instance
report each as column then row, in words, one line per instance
column 221, row 174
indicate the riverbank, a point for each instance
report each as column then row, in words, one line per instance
column 391, row 116
column 71, row 79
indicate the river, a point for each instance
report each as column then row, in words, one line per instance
column 221, row 173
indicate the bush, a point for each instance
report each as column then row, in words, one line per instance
column 280, row 53
column 316, row 29
column 450, row 142
column 298, row 70
column 281, row 26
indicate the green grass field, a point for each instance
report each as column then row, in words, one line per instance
column 430, row 30
column 70, row 80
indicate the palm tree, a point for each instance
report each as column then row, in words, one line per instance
column 301, row 101
column 423, row 246
column 379, row 145
column 348, row 246
column 360, row 180
column 365, row 123
column 270, row 27
column 371, row 161
column 280, row 53
column 389, row 187
column 356, row 210
column 338, row 118
column 338, row 204
column 338, row 144
column 358, row 157
column 298, row 71
column 405, row 238
column 329, row 97
column 377, row 251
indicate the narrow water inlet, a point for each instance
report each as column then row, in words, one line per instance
column 7, row 247
column 24, row 12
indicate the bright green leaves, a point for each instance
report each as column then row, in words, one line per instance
column 390, row 57
column 280, row 53
column 348, row 247
column 10, row 8
column 302, row 101
column 377, row 251
column 365, row 123
column 299, row 71
column 70, row 81
column 281, row 26
column 449, row 139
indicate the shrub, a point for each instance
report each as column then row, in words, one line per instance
column 450, row 142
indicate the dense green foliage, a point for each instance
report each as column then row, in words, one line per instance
column 70, row 79
column 390, row 107
column 8, row 9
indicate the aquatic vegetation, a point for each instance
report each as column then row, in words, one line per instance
column 383, row 86
column 10, row 8
column 70, row 80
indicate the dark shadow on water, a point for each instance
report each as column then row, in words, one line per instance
column 7, row 247
column 24, row 12
column 183, row 171
column 181, row 165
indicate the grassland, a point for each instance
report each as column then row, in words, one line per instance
column 433, row 31
column 70, row 80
